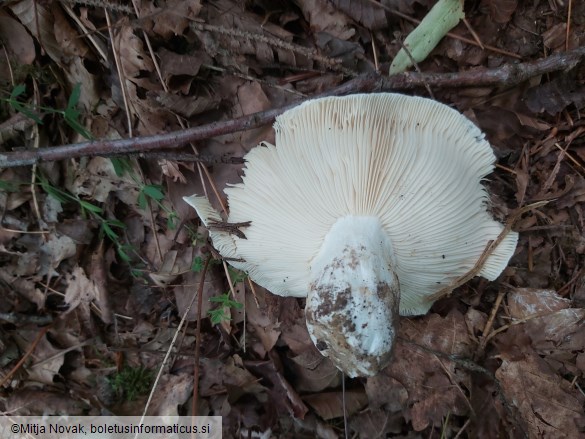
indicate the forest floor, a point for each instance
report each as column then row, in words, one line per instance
column 100, row 259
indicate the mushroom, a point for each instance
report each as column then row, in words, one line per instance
column 366, row 206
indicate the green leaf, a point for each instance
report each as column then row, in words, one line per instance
column 142, row 200
column 58, row 194
column 197, row 264
column 17, row 91
column 121, row 165
column 443, row 17
column 109, row 232
column 154, row 191
column 74, row 99
column 91, row 207
column 217, row 316
column 8, row 186
column 123, row 255
column 26, row 111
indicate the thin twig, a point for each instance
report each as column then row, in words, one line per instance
column 505, row 76
column 28, row 353
column 490, row 322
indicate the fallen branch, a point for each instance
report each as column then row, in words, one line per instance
column 505, row 76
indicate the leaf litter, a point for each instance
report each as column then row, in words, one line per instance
column 106, row 254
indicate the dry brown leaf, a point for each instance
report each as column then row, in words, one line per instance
column 386, row 393
column 376, row 424
column 501, row 11
column 323, row 17
column 285, row 398
column 363, row 11
column 547, row 405
column 35, row 401
column 213, row 285
column 433, row 385
column 19, row 45
column 555, row 37
column 329, row 405
column 186, row 106
column 173, row 18
column 260, row 326
column 552, row 97
column 66, row 36
column 313, row 372
column 38, row 19
column 173, row 64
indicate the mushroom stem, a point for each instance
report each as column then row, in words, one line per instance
column 352, row 304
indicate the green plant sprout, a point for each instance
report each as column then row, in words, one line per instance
column 219, row 315
column 131, row 382
column 156, row 194
column 70, row 114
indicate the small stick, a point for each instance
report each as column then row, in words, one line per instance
column 490, row 322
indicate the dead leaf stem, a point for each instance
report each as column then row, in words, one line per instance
column 505, row 76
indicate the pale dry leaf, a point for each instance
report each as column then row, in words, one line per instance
column 22, row 286
column 98, row 179
column 172, row 266
column 532, row 302
column 55, row 250
column 547, row 405
column 46, row 361
column 131, row 51
column 80, row 289
column 172, row 392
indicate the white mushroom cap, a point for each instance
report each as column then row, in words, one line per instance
column 411, row 164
